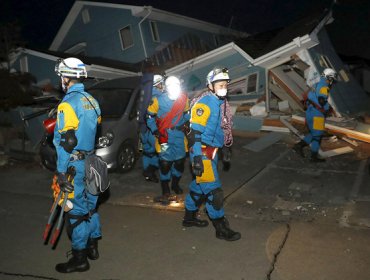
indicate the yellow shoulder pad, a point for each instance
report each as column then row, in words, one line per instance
column 69, row 116
column 153, row 106
column 187, row 106
column 324, row 90
column 200, row 114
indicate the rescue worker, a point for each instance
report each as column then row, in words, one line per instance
column 167, row 116
column 317, row 110
column 78, row 116
column 150, row 156
column 210, row 125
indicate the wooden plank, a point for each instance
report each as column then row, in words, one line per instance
column 275, row 128
column 336, row 152
column 340, row 130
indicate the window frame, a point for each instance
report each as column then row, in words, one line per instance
column 121, row 38
column 247, row 83
column 154, row 31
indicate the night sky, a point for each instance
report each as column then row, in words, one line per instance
column 41, row 19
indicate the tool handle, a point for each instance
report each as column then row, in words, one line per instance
column 60, row 220
column 55, row 236
column 46, row 232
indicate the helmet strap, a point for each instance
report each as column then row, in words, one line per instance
column 65, row 84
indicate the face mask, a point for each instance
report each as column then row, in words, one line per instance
column 221, row 92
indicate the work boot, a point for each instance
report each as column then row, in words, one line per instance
column 175, row 185
column 78, row 262
column 166, row 197
column 92, row 249
column 298, row 148
column 315, row 157
column 223, row 230
column 165, row 188
column 191, row 219
column 149, row 174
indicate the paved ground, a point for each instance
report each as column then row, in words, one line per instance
column 298, row 220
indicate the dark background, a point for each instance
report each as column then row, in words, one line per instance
column 350, row 31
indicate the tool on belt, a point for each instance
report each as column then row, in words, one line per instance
column 71, row 172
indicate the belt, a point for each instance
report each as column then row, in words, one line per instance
column 180, row 127
column 79, row 155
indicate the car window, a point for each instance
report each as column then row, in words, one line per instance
column 113, row 102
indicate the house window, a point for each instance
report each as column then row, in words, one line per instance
column 24, row 64
column 154, row 30
column 252, row 83
column 325, row 62
column 85, row 16
column 126, row 37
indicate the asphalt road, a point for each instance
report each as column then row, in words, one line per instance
column 298, row 220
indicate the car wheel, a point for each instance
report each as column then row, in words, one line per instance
column 126, row 157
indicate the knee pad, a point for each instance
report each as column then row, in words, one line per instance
column 198, row 201
column 317, row 139
column 218, row 199
column 179, row 165
column 165, row 166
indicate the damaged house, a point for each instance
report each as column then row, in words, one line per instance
column 270, row 71
column 279, row 65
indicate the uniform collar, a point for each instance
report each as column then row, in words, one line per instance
column 76, row 87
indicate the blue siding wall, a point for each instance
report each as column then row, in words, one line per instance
column 103, row 40
column 102, row 34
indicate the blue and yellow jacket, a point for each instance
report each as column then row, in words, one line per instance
column 76, row 112
column 322, row 89
column 206, row 117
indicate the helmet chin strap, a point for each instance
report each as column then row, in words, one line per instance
column 65, row 84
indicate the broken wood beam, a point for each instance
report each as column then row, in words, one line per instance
column 338, row 130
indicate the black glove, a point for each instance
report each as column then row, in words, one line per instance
column 226, row 154
column 198, row 167
column 156, row 133
column 226, row 158
column 64, row 184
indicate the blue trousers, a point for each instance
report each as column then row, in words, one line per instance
column 208, row 182
column 83, row 203
column 315, row 121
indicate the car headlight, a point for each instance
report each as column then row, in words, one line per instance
column 105, row 140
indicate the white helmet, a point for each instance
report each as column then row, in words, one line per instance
column 218, row 74
column 157, row 79
column 173, row 87
column 329, row 74
column 70, row 67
